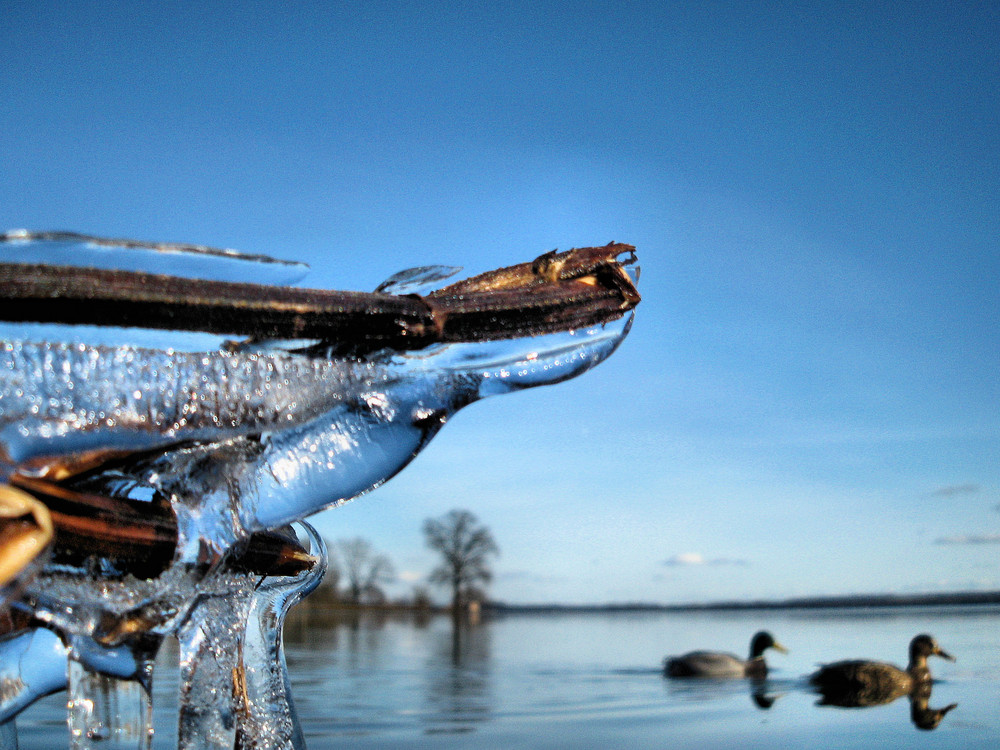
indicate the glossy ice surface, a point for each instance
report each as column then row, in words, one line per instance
column 237, row 437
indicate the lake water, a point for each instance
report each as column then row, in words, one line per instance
column 594, row 681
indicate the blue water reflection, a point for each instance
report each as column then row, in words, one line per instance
column 595, row 681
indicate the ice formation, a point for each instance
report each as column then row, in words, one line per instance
column 211, row 445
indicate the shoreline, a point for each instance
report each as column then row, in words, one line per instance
column 345, row 610
column 856, row 601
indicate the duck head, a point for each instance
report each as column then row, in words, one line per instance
column 763, row 641
column 925, row 645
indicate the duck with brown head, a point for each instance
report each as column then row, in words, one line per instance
column 857, row 682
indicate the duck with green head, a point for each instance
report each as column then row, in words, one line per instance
column 856, row 682
column 718, row 664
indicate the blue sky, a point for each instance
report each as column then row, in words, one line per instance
column 808, row 402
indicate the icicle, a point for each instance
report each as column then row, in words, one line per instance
column 107, row 712
column 209, row 663
column 267, row 718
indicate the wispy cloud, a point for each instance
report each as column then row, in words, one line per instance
column 969, row 539
column 951, row 490
column 688, row 559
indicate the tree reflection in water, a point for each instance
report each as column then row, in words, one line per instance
column 459, row 672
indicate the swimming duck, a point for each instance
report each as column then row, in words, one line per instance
column 856, row 683
column 718, row 664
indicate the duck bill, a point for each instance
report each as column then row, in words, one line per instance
column 944, row 654
column 779, row 648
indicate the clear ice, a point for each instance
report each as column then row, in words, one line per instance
column 239, row 438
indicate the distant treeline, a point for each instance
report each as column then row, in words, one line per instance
column 819, row 602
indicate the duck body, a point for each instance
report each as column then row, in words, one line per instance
column 859, row 682
column 723, row 665
column 713, row 664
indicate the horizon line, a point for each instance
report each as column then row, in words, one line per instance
column 809, row 602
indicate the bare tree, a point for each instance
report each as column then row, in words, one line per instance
column 363, row 570
column 327, row 594
column 466, row 547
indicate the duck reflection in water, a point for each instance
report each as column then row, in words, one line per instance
column 924, row 717
column 858, row 683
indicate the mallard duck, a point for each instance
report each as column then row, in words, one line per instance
column 867, row 683
column 718, row 664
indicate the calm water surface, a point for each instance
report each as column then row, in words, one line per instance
column 593, row 681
